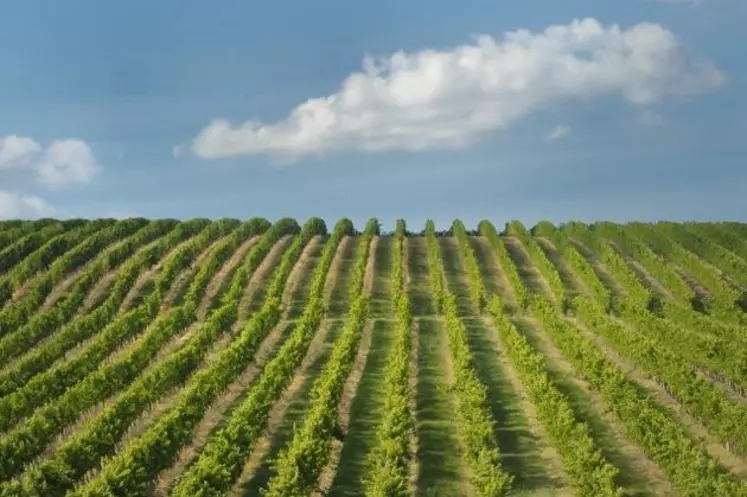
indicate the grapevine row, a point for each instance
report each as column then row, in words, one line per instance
column 488, row 231
column 726, row 420
column 80, row 453
column 132, row 470
column 40, row 358
column 725, row 260
column 86, row 391
column 653, row 263
column 14, row 317
column 578, row 263
column 300, row 463
column 661, row 436
column 44, row 257
column 221, row 459
column 476, row 287
column 22, row 247
column 389, row 460
column 474, row 420
column 545, row 267
column 723, row 295
column 589, row 473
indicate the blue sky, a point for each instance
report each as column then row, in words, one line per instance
column 109, row 109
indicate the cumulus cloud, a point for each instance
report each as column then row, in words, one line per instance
column 18, row 205
column 63, row 163
column 67, row 162
column 447, row 99
column 17, row 150
column 559, row 132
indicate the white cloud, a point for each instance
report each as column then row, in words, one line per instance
column 559, row 132
column 18, row 205
column 17, row 150
column 439, row 99
column 67, row 162
column 63, row 163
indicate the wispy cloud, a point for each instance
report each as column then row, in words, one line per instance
column 440, row 99
column 559, row 132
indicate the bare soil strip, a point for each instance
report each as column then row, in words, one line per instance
column 148, row 275
column 57, row 291
column 219, row 280
column 369, row 278
column 336, row 267
column 701, row 292
column 296, row 283
column 98, row 293
column 260, row 276
column 180, row 284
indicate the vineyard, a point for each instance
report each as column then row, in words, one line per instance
column 250, row 358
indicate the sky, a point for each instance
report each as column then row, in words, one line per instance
column 563, row 110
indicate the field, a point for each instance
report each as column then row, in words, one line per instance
column 249, row 358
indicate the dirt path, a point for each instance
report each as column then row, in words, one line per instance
column 294, row 296
column 97, row 293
